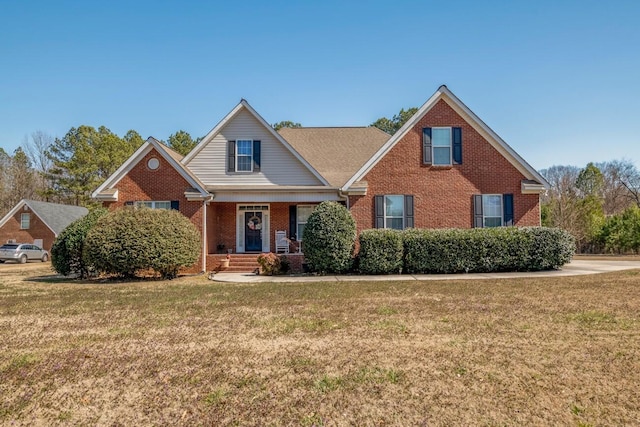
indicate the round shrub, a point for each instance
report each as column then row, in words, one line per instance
column 67, row 251
column 329, row 239
column 380, row 251
column 130, row 240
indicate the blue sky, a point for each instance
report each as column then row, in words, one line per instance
column 558, row 80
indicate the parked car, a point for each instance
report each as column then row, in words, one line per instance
column 22, row 252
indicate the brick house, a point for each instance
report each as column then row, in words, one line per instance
column 244, row 181
column 31, row 221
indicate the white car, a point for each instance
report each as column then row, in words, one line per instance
column 22, row 252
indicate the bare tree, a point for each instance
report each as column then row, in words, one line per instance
column 36, row 149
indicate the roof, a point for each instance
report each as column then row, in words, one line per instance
column 337, row 153
column 171, row 156
column 243, row 104
column 443, row 93
column 56, row 216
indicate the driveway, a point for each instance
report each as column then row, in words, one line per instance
column 574, row 268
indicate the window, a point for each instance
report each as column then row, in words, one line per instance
column 302, row 216
column 244, row 156
column 442, row 146
column 153, row 204
column 492, row 210
column 441, row 143
column 25, row 221
column 394, row 211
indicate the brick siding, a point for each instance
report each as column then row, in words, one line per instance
column 37, row 230
column 443, row 195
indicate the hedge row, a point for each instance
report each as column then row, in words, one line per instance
column 478, row 250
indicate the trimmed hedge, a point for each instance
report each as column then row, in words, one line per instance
column 67, row 252
column 130, row 240
column 380, row 251
column 481, row 250
column 329, row 239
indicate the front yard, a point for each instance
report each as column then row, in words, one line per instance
column 189, row 352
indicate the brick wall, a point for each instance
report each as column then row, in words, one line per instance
column 162, row 184
column 443, row 195
column 37, row 230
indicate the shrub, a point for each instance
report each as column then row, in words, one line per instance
column 329, row 239
column 486, row 249
column 67, row 251
column 272, row 264
column 621, row 233
column 129, row 240
column 380, row 251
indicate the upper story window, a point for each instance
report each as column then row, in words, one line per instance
column 154, row 205
column 25, row 221
column 442, row 146
column 243, row 155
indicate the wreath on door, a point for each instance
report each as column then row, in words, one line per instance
column 255, row 223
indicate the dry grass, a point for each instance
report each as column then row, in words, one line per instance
column 555, row 351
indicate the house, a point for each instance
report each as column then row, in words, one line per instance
column 31, row 221
column 244, row 181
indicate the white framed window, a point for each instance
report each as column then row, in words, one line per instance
column 441, row 146
column 154, row 204
column 244, row 155
column 492, row 210
column 302, row 216
column 394, row 212
column 25, row 221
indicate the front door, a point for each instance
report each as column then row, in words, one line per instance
column 253, row 231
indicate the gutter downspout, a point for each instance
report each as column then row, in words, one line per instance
column 344, row 196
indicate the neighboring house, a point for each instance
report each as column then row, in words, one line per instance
column 36, row 222
column 244, row 180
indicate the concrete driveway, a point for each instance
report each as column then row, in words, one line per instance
column 574, row 268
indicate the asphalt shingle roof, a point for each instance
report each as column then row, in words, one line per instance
column 55, row 215
column 337, row 153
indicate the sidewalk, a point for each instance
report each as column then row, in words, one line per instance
column 574, row 268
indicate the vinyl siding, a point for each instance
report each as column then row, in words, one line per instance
column 278, row 165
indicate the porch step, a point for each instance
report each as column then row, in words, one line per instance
column 238, row 263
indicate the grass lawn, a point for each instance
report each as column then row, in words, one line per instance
column 547, row 351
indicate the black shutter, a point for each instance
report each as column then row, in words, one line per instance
column 256, row 156
column 477, row 211
column 426, row 146
column 507, row 206
column 379, row 207
column 408, row 211
column 293, row 222
column 175, row 205
column 457, row 146
column 231, row 156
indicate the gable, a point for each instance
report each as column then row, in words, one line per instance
column 108, row 191
column 54, row 216
column 443, row 96
column 280, row 164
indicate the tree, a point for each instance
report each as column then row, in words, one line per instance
column 21, row 180
column 84, row 158
column 392, row 125
column 36, row 149
column 182, row 142
column 286, row 124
